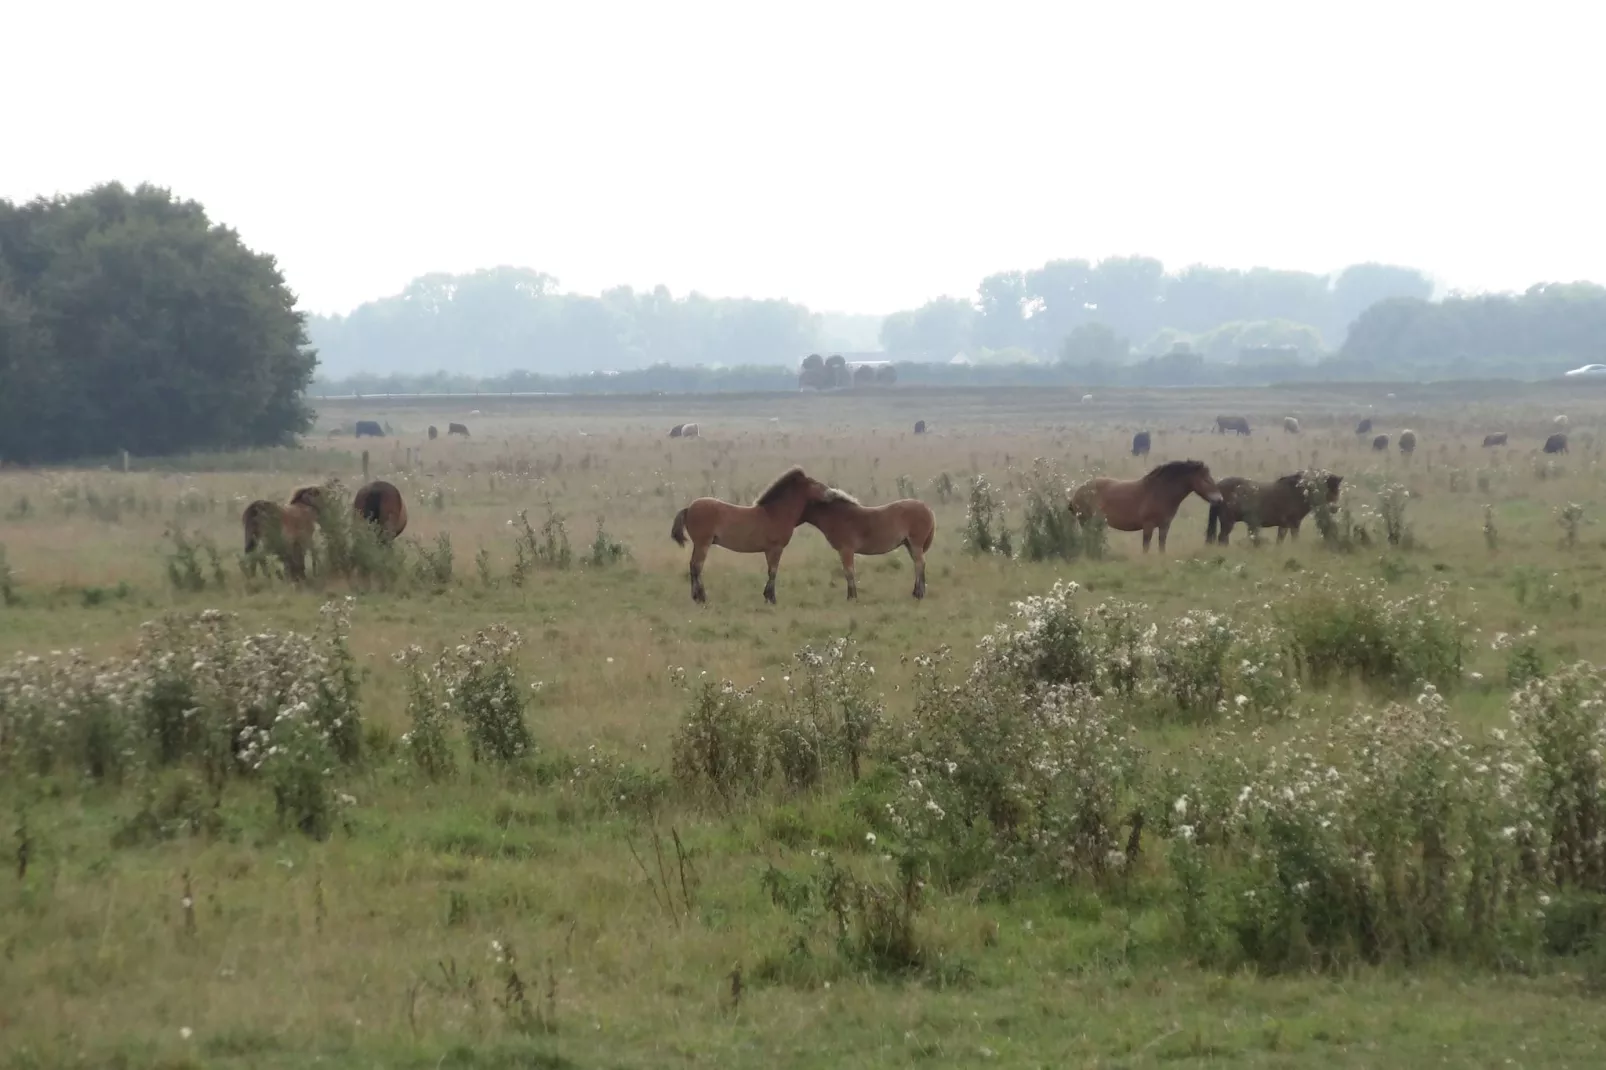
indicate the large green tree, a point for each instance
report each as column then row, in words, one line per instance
column 128, row 320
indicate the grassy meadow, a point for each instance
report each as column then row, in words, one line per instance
column 652, row 869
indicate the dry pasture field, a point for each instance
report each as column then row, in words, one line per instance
column 664, row 871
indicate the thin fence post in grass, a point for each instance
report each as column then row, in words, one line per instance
column 365, row 466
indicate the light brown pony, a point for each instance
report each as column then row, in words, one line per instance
column 764, row 527
column 852, row 528
column 282, row 530
column 1147, row 504
column 378, row 503
column 1282, row 504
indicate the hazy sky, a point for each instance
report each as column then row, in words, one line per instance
column 856, row 156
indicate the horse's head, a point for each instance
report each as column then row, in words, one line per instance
column 794, row 486
column 1333, row 485
column 1201, row 483
column 313, row 498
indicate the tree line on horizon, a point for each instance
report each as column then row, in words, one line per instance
column 1120, row 320
column 131, row 321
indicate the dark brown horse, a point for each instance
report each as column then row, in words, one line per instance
column 765, row 527
column 378, row 503
column 1496, row 439
column 852, row 528
column 1282, row 503
column 1148, row 504
column 282, row 530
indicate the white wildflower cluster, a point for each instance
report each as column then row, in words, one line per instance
column 1045, row 770
column 1390, row 835
column 1559, row 744
column 280, row 706
column 724, row 746
column 1343, row 629
column 830, row 714
column 195, row 690
column 1200, row 662
column 477, row 684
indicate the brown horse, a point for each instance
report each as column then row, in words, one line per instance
column 764, row 527
column 378, row 503
column 282, row 530
column 1147, row 504
column 1282, row 504
column 852, row 528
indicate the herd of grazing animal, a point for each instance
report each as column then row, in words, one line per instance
column 1147, row 504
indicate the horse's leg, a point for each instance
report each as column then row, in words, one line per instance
column 1282, row 533
column 699, row 554
column 918, row 556
column 847, row 570
column 1165, row 528
column 1226, row 529
column 1293, row 530
column 772, row 558
column 1148, row 533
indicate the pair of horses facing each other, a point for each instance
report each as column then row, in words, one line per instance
column 1149, row 504
column 794, row 499
column 287, row 530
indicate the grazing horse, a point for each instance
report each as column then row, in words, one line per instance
column 433, row 434
column 1282, row 504
column 370, row 428
column 1496, row 439
column 852, row 528
column 1364, row 427
column 1561, row 420
column 1380, row 443
column 457, row 429
column 1232, row 423
column 764, row 527
column 1290, row 425
column 1140, row 444
column 1408, row 441
column 282, row 530
column 920, row 427
column 689, row 431
column 1556, row 443
column 1147, row 504
column 380, row 503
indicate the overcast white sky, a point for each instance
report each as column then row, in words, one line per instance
column 853, row 156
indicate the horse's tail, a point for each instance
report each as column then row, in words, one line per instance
column 678, row 531
column 1214, row 523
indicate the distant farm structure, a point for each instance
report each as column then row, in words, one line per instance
column 838, row 372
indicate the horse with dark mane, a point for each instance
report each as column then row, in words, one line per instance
column 765, row 527
column 282, row 530
column 854, row 528
column 1282, row 503
column 1140, row 444
column 1147, row 504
